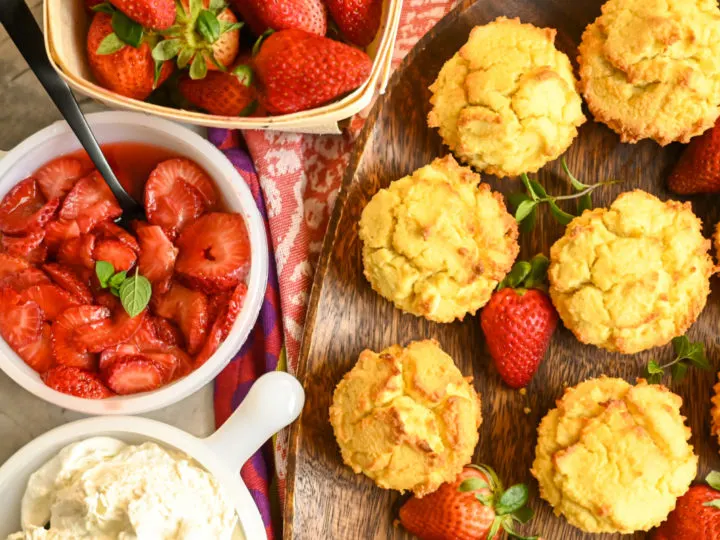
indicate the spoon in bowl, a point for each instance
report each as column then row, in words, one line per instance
column 20, row 24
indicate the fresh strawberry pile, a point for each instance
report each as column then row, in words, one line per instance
column 194, row 50
column 100, row 311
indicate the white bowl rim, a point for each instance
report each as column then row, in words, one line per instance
column 13, row 365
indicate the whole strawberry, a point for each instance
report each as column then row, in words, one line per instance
column 697, row 514
column 155, row 14
column 519, row 321
column 122, row 68
column 298, row 70
column 473, row 507
column 308, row 15
column 698, row 170
column 358, row 20
column 222, row 93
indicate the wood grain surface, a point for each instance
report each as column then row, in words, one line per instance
column 326, row 500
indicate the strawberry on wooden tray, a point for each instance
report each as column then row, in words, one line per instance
column 98, row 310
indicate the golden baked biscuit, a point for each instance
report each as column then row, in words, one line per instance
column 633, row 276
column 651, row 68
column 437, row 243
column 507, row 102
column 406, row 417
column 715, row 411
column 613, row 457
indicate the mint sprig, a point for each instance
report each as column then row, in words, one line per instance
column 134, row 292
column 687, row 354
column 525, row 205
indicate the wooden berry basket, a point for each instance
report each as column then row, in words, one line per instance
column 66, row 23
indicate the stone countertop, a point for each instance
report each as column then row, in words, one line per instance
column 25, row 109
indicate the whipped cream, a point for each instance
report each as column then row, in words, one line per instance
column 104, row 489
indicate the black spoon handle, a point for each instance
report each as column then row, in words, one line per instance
column 20, row 24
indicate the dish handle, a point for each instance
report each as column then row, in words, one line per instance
column 273, row 402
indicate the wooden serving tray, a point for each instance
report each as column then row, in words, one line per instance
column 326, row 500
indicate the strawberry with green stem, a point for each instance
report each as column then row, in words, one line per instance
column 696, row 515
column 205, row 36
column 687, row 354
column 526, row 204
column 474, row 506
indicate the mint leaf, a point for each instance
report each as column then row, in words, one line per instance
column 654, row 368
column 560, row 215
column 528, row 185
column 104, row 271
column 208, row 26
column 681, row 344
column 198, row 68
column 111, row 44
column 538, row 189
column 696, row 355
column 511, row 500
column 576, row 184
column 679, row 371
column 584, row 203
column 127, row 30
column 713, row 480
column 528, row 224
column 117, row 280
column 135, row 294
column 524, row 210
column 166, row 49
column 472, row 484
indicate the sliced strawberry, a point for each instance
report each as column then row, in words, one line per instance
column 52, row 299
column 39, row 354
column 215, row 303
column 116, row 253
column 157, row 256
column 172, row 170
column 108, row 356
column 189, row 310
column 90, row 202
column 58, row 231
column 100, row 335
column 24, row 208
column 107, row 230
column 214, row 252
column 222, row 325
column 69, row 280
column 108, row 300
column 168, row 332
column 57, row 178
column 76, row 382
column 78, row 251
column 20, row 322
column 184, row 364
column 171, row 204
column 10, row 265
column 165, row 361
column 26, row 246
column 133, row 374
column 64, row 347
column 25, row 278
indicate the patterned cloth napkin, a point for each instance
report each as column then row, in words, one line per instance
column 294, row 179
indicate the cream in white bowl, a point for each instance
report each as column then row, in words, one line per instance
column 113, row 127
column 274, row 401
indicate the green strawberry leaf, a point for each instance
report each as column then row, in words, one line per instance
column 247, row 111
column 714, row 503
column 244, row 74
column 523, row 515
column 103, row 8
column 524, row 209
column 576, row 184
column 110, row 44
column 208, row 26
column 538, row 271
column 198, row 68
column 217, row 6
column 104, row 272
column 211, row 57
column 517, row 274
column 713, row 480
column 127, row 30
column 227, row 26
column 266, row 34
column 196, row 6
column 166, row 49
column 678, row 371
column 494, row 528
column 513, row 499
column 157, row 70
column 472, row 484
column 184, row 57
column 135, row 294
column 560, row 215
column 484, row 498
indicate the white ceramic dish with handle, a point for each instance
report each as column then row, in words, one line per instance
column 110, row 127
column 274, row 401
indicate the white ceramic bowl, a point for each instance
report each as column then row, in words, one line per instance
column 274, row 401
column 109, row 127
